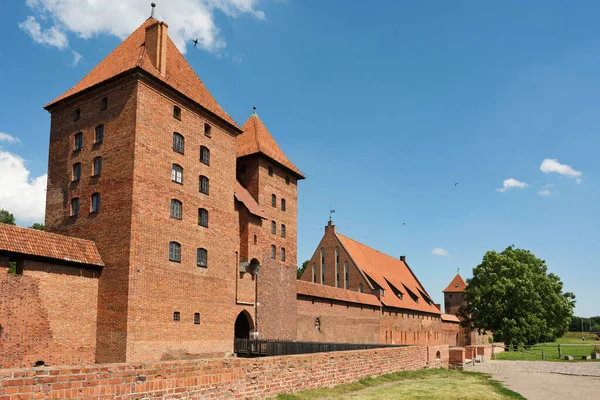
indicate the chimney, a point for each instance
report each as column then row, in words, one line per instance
column 156, row 45
column 403, row 258
column 329, row 226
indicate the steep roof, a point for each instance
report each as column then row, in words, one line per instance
column 244, row 197
column 257, row 139
column 132, row 54
column 392, row 275
column 32, row 242
column 457, row 285
column 333, row 293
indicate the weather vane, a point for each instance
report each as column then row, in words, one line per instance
column 152, row 13
column 457, row 271
column 331, row 211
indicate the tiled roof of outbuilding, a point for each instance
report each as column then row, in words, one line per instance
column 333, row 293
column 131, row 54
column 450, row 318
column 32, row 242
column 388, row 271
column 257, row 139
column 457, row 285
column 243, row 196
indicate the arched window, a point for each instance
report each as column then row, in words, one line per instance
column 360, row 287
column 273, row 251
column 78, row 141
column 314, row 273
column 282, row 230
column 99, row 134
column 75, row 207
column 178, row 142
column 76, row 172
column 283, row 205
column 203, row 184
column 322, row 265
column 176, row 209
column 204, row 155
column 337, row 267
column 177, row 173
column 274, row 200
column 270, row 171
column 273, row 227
column 346, row 275
column 202, row 258
column 283, row 254
column 97, row 166
column 202, row 217
column 174, row 252
column 96, row 202
column 255, row 239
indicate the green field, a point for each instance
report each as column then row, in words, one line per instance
column 424, row 384
column 571, row 344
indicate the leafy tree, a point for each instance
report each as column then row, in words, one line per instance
column 38, row 226
column 512, row 295
column 301, row 270
column 6, row 217
column 577, row 325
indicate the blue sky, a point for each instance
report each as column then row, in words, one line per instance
column 383, row 106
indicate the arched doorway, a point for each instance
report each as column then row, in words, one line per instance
column 243, row 325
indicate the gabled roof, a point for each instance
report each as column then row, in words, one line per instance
column 131, row 54
column 257, row 139
column 392, row 275
column 457, row 285
column 32, row 242
column 333, row 293
column 243, row 196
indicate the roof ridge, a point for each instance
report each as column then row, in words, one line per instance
column 374, row 249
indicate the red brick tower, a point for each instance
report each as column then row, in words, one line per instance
column 142, row 161
column 272, row 179
column 454, row 295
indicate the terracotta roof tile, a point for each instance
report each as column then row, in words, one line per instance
column 131, row 53
column 330, row 292
column 389, row 272
column 244, row 197
column 32, row 242
column 457, row 285
column 450, row 318
column 257, row 139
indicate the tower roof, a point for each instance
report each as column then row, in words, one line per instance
column 457, row 285
column 257, row 139
column 132, row 54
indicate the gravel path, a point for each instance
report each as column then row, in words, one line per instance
column 545, row 379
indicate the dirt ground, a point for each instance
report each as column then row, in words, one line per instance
column 545, row 379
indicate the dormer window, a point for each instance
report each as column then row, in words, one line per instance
column 176, row 112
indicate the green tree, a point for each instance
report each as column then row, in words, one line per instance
column 38, row 226
column 301, row 270
column 513, row 295
column 6, row 217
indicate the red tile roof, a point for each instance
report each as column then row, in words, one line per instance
column 389, row 271
column 31, row 242
column 257, row 139
column 131, row 54
column 450, row 318
column 333, row 293
column 244, row 197
column 457, row 285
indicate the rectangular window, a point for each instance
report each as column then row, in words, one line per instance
column 75, row 207
column 273, row 227
column 282, row 230
column 282, row 204
column 97, row 166
column 204, row 155
column 78, row 141
column 196, row 318
column 76, row 172
column 174, row 252
column 202, row 217
column 203, row 184
column 178, row 142
column 176, row 209
column 99, row 134
column 76, row 114
column 176, row 316
column 104, row 103
column 273, row 251
column 202, row 258
column 274, row 200
column 207, row 129
column 282, row 254
column 96, row 202
column 177, row 173
column 176, row 112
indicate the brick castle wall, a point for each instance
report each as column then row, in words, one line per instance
column 47, row 314
column 225, row 378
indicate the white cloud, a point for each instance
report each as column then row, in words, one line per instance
column 21, row 195
column 545, row 193
column 5, row 137
column 52, row 36
column 438, row 251
column 187, row 19
column 552, row 165
column 76, row 59
column 510, row 184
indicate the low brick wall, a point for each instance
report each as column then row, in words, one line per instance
column 457, row 356
column 224, row 378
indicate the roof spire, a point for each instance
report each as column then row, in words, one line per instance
column 254, row 114
column 152, row 13
column 457, row 271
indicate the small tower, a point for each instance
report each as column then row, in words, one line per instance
column 454, row 295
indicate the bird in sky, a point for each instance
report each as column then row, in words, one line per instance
column 195, row 42
column 455, row 183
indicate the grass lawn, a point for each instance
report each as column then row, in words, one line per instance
column 583, row 348
column 423, row 384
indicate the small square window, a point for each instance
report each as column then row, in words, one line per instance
column 207, row 130
column 104, row 103
column 196, row 318
column 77, row 114
column 176, row 316
column 176, row 112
